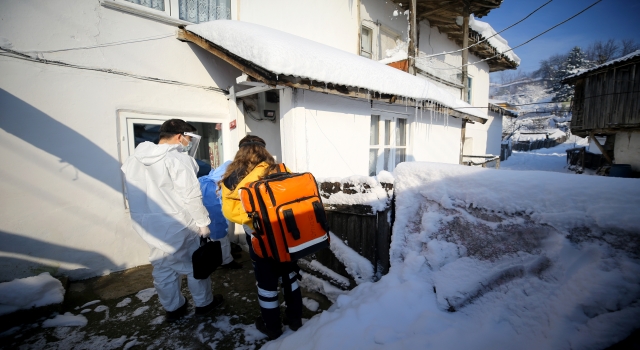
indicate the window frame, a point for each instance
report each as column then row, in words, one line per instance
column 170, row 15
column 371, row 31
column 392, row 146
column 126, row 141
column 469, row 89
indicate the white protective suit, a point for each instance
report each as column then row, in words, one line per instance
column 166, row 210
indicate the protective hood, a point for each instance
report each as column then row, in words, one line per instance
column 149, row 153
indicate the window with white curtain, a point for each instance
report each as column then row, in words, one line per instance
column 198, row 11
column 387, row 143
column 154, row 4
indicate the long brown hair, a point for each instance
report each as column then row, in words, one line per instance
column 251, row 152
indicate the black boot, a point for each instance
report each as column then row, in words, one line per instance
column 204, row 310
column 177, row 314
column 263, row 329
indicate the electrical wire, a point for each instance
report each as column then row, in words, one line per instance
column 481, row 41
column 23, row 56
column 105, row 44
column 526, row 42
column 539, row 103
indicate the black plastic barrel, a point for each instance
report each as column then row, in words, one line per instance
column 620, row 170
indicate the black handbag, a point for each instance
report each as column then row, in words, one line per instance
column 207, row 258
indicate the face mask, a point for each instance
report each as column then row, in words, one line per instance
column 187, row 147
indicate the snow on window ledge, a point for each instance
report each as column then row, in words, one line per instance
column 142, row 11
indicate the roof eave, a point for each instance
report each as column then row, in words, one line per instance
column 267, row 77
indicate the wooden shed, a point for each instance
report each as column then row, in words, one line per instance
column 607, row 103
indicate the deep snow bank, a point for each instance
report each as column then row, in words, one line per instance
column 526, row 260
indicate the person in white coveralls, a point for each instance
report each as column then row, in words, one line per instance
column 166, row 208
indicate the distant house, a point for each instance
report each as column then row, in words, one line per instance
column 83, row 83
column 606, row 104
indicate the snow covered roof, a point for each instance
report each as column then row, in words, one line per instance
column 499, row 43
column 628, row 57
column 498, row 106
column 278, row 58
column 444, row 16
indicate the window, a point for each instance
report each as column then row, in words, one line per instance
column 366, row 36
column 175, row 11
column 388, row 143
column 197, row 11
column 469, row 85
column 137, row 129
column 154, row 4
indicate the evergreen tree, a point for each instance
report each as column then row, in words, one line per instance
column 575, row 61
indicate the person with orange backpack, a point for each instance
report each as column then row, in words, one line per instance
column 252, row 163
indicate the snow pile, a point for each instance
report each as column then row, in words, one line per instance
column 356, row 265
column 501, row 45
column 509, row 260
column 327, row 272
column 314, row 284
column 66, row 320
column 310, row 304
column 30, row 292
column 359, row 190
column 286, row 54
column 396, row 54
column 146, row 294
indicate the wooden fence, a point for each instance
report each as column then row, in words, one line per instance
column 537, row 144
column 364, row 230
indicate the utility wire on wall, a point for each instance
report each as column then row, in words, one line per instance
column 23, row 56
column 116, row 43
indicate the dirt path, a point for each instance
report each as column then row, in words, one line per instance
column 140, row 323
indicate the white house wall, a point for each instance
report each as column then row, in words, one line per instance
column 327, row 135
column 486, row 137
column 330, row 22
column 63, row 207
column 436, row 138
column 627, row 149
column 431, row 42
column 375, row 14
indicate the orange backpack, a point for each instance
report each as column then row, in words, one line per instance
column 287, row 214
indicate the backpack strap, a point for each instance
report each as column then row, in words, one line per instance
column 282, row 168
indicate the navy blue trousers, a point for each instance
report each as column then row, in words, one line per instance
column 268, row 273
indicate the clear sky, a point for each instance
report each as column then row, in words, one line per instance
column 609, row 19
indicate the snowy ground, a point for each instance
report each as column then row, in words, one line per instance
column 494, row 259
column 121, row 311
column 545, row 159
column 481, row 259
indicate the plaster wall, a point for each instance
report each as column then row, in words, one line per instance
column 431, row 42
column 330, row 22
column 329, row 135
column 325, row 134
column 486, row 137
column 63, row 207
column 378, row 15
column 627, row 149
column 435, row 137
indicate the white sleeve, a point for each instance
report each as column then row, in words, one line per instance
column 187, row 187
